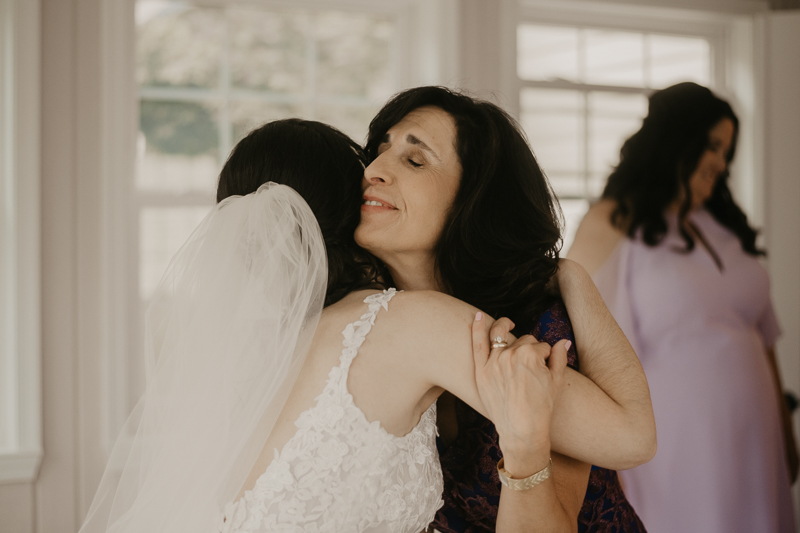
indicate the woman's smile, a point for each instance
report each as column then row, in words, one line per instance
column 409, row 189
column 712, row 163
column 373, row 204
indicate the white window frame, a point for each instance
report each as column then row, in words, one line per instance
column 20, row 242
column 733, row 40
column 423, row 25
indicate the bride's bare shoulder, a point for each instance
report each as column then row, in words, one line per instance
column 424, row 306
column 403, row 303
column 427, row 314
column 596, row 237
column 430, row 318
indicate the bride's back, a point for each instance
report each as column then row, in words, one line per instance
column 355, row 443
column 389, row 375
column 377, row 388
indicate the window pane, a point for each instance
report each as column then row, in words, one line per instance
column 553, row 122
column 612, row 117
column 547, row 52
column 595, row 183
column 353, row 55
column 269, row 49
column 353, row 121
column 614, row 58
column 677, row 59
column 162, row 231
column 177, row 45
column 246, row 115
column 178, row 147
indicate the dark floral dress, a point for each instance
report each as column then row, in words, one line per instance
column 471, row 484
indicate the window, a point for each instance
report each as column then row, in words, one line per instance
column 583, row 91
column 209, row 74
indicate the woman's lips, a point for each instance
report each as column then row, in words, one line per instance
column 376, row 205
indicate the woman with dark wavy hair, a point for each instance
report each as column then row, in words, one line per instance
column 676, row 261
column 454, row 201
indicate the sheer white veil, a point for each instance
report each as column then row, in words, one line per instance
column 226, row 335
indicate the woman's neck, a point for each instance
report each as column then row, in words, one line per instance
column 675, row 206
column 415, row 276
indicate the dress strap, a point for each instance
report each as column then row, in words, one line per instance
column 355, row 332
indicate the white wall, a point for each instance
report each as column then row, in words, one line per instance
column 71, row 228
column 782, row 173
column 56, row 485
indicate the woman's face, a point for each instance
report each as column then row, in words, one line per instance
column 712, row 163
column 408, row 190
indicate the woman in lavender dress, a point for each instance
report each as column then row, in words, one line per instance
column 676, row 261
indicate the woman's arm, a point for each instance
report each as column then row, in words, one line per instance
column 602, row 424
column 440, row 326
column 792, row 460
column 619, row 426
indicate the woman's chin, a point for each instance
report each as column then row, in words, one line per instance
column 367, row 238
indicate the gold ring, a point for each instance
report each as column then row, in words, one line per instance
column 499, row 342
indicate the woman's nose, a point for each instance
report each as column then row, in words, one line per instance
column 378, row 171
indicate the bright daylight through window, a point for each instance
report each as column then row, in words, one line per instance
column 584, row 91
column 208, row 75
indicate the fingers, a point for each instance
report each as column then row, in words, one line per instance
column 526, row 353
column 501, row 328
column 480, row 341
column 557, row 362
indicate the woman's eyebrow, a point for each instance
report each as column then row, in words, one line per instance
column 417, row 142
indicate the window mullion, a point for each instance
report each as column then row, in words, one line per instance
column 573, row 86
column 646, row 59
column 582, row 55
column 311, row 65
column 225, row 126
column 586, row 144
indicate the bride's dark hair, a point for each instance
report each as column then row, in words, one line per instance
column 325, row 167
column 502, row 237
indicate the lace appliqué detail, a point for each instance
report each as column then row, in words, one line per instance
column 340, row 472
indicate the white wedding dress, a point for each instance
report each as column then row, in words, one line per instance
column 341, row 473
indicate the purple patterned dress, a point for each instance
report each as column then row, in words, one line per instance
column 471, row 484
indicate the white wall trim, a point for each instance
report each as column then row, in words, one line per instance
column 663, row 8
column 433, row 36
column 780, row 53
column 20, row 241
column 19, row 467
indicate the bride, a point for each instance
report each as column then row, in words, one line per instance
column 263, row 411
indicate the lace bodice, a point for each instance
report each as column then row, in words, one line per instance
column 341, row 473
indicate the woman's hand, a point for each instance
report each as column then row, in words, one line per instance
column 518, row 386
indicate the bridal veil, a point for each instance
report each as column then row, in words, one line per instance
column 226, row 335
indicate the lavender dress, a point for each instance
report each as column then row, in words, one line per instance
column 701, row 334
